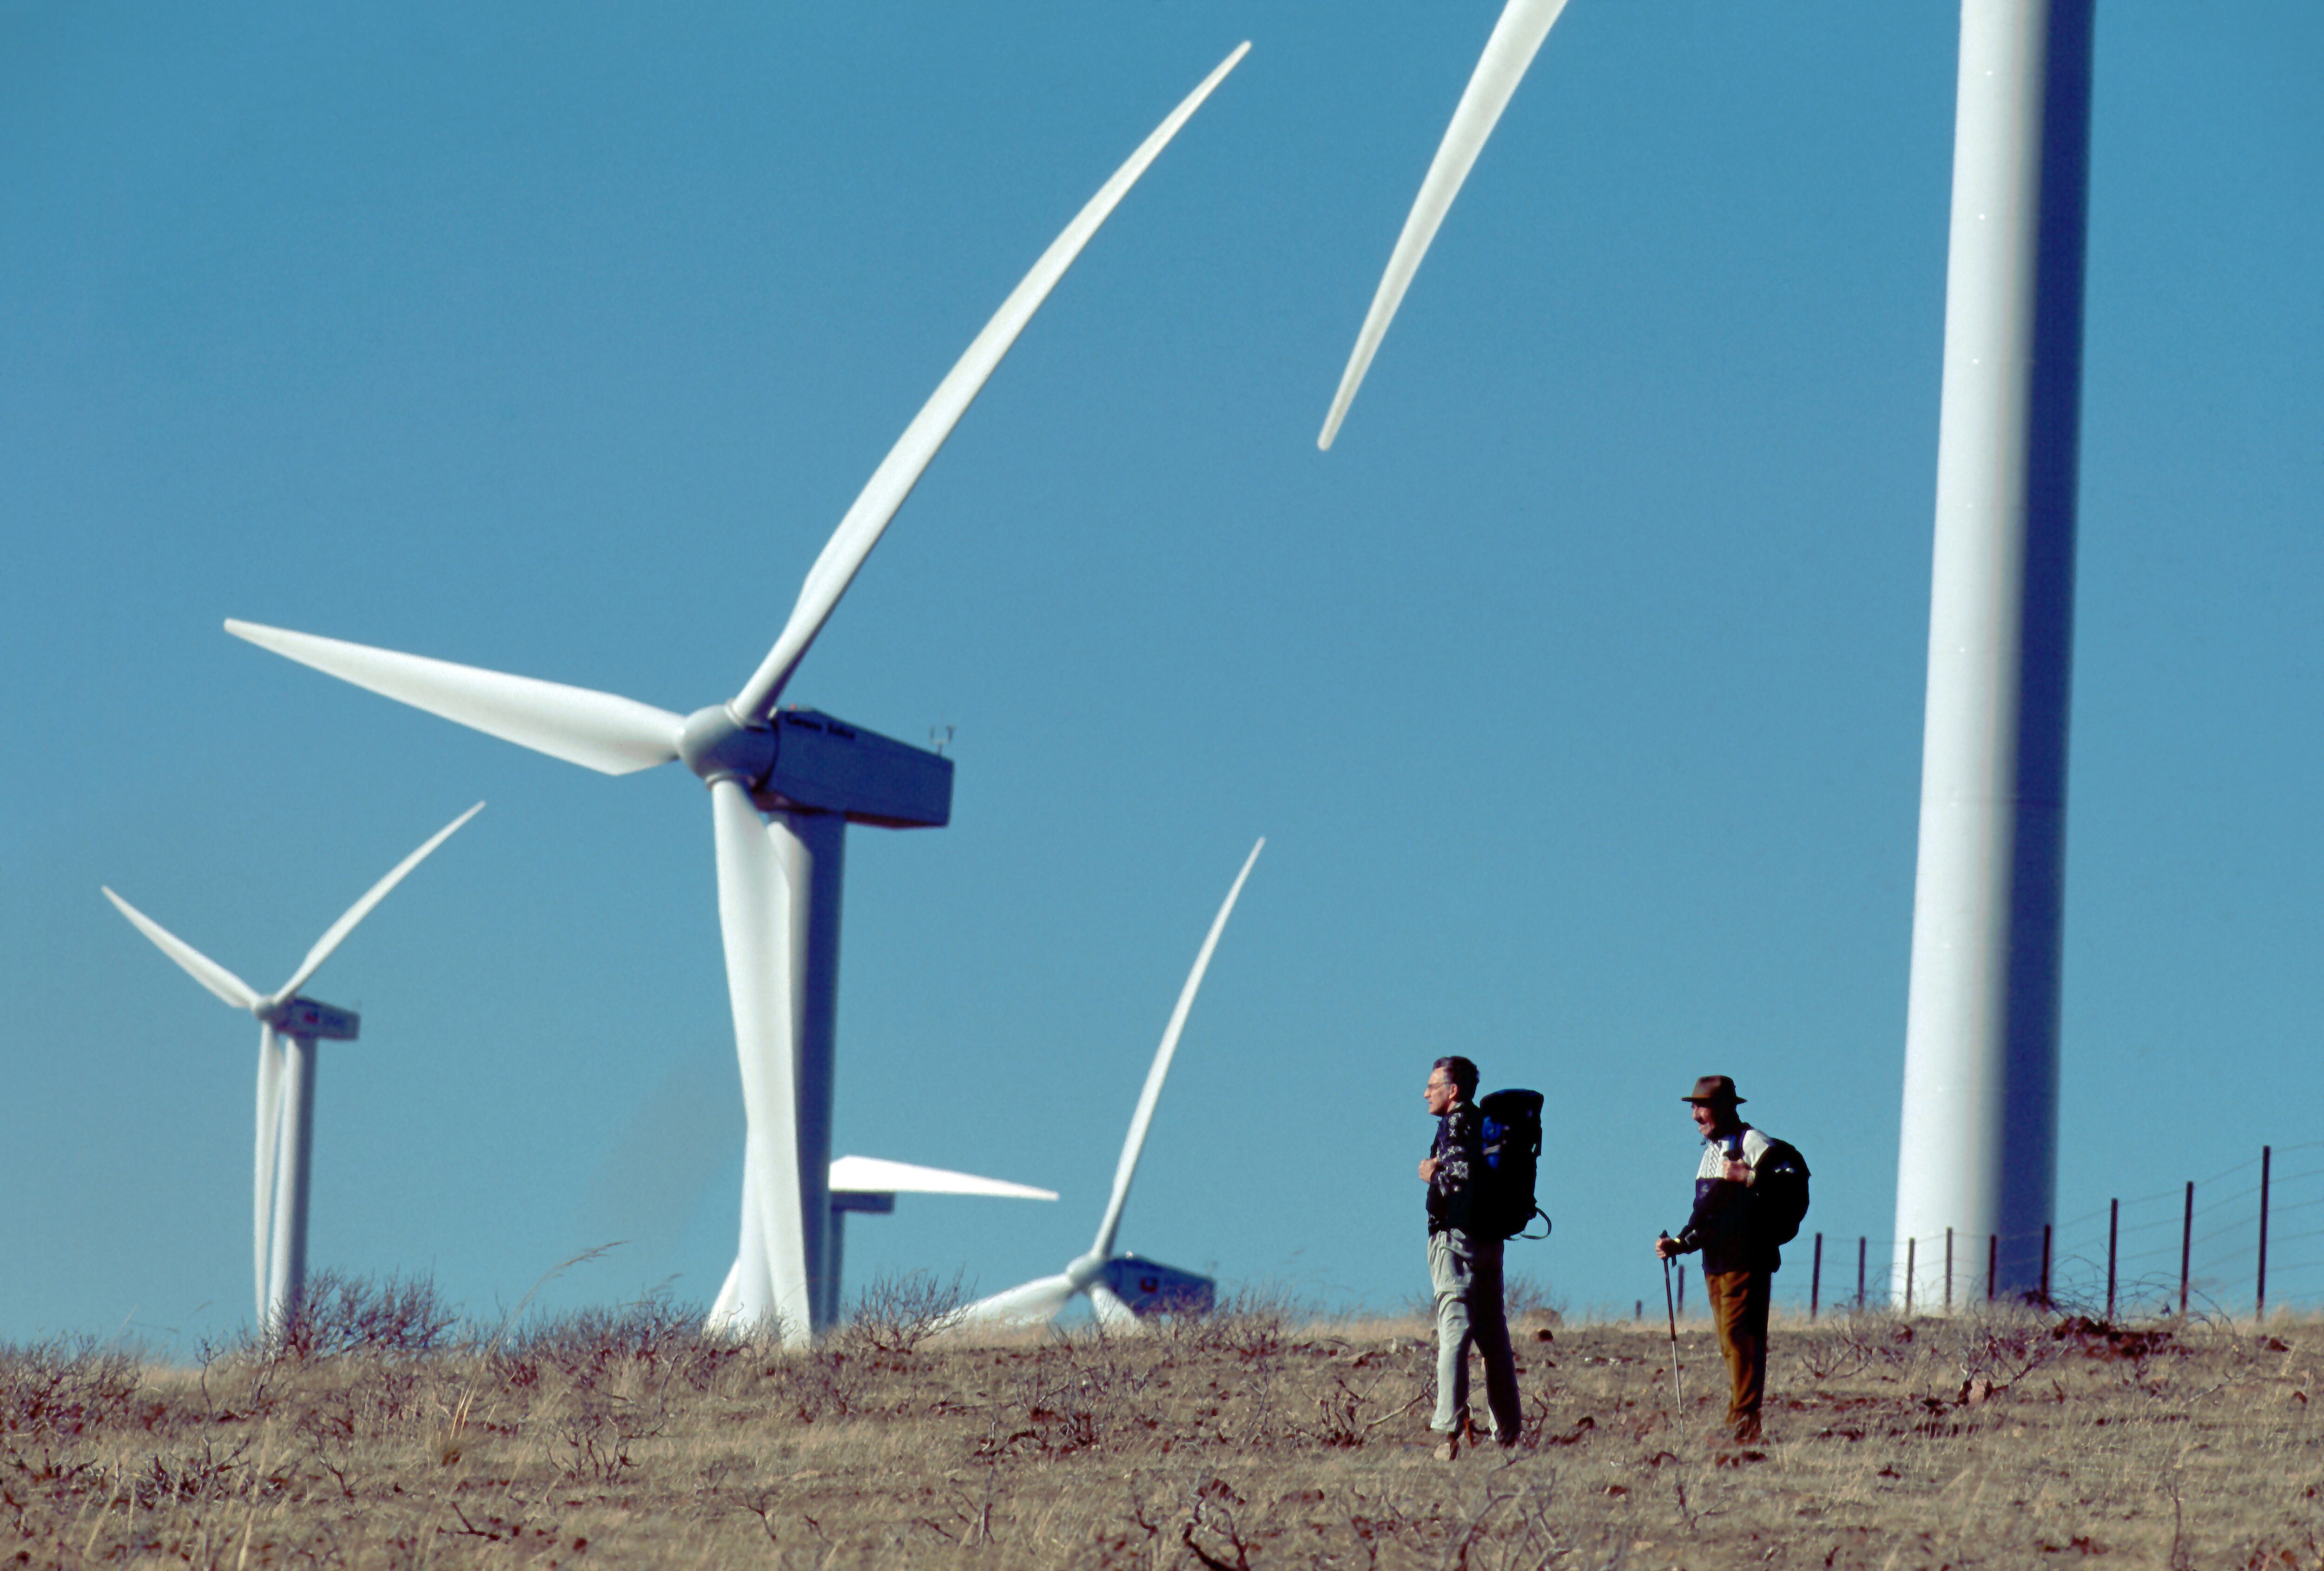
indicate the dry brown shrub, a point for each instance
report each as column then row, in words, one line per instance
column 1257, row 1440
column 64, row 1386
column 895, row 1312
column 339, row 1314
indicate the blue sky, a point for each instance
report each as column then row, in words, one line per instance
column 1577, row 690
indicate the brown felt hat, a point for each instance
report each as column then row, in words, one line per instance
column 1714, row 1089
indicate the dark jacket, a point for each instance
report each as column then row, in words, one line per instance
column 1732, row 1223
column 1460, row 1153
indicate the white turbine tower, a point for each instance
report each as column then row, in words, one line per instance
column 1978, row 1142
column 289, row 1028
column 784, row 784
column 1121, row 1287
column 1523, row 25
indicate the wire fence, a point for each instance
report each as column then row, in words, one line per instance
column 2244, row 1238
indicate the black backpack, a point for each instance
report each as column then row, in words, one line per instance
column 1502, row 1203
column 1780, row 1194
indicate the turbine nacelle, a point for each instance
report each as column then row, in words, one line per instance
column 803, row 761
column 1143, row 1286
column 309, row 1018
column 1148, row 1287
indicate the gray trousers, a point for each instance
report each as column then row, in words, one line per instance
column 1466, row 1274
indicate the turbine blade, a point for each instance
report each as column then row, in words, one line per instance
column 1127, row 1168
column 1035, row 1303
column 728, row 1304
column 726, row 1316
column 600, row 731
column 900, row 470
column 270, row 1120
column 339, row 929
column 1523, row 25
column 197, row 966
column 877, row 1175
column 1115, row 1315
column 754, row 918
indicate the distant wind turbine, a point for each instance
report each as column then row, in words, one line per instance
column 289, row 1028
column 809, row 774
column 1523, row 25
column 1121, row 1286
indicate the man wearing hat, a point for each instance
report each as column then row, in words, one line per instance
column 1749, row 1194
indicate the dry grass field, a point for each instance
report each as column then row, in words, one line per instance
column 1255, row 1438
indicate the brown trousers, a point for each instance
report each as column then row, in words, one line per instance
column 1739, row 1313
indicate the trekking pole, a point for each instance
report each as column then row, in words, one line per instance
column 1670, row 1306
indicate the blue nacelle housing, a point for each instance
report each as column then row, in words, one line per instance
column 826, row 765
column 1151, row 1287
column 317, row 1021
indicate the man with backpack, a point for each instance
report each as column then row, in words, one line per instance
column 1464, row 1263
column 1750, row 1194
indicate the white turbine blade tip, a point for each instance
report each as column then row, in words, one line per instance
column 877, row 1176
column 599, row 731
column 1515, row 38
column 338, row 930
column 222, row 982
column 867, row 519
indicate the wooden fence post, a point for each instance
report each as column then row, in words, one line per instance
column 2186, row 1246
column 2114, row 1227
column 2259, row 1297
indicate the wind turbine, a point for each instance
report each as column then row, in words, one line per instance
column 1515, row 38
column 784, row 784
column 290, row 1027
column 1978, row 1139
column 1120, row 1288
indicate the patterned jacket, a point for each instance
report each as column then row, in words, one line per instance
column 1460, row 1153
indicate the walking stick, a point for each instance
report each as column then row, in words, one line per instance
column 1670, row 1308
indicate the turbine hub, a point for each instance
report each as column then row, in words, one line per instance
column 716, row 746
